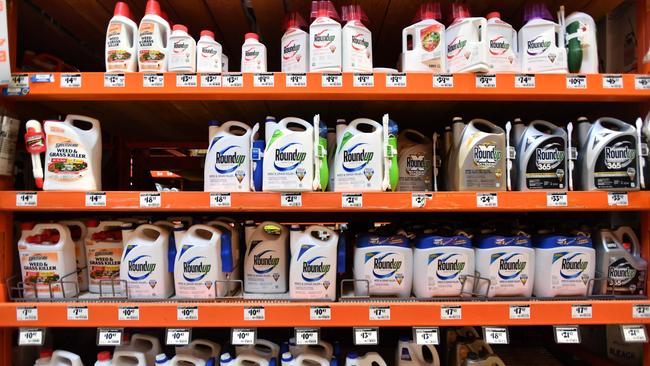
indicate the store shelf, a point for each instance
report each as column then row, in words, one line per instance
column 325, row 201
column 90, row 86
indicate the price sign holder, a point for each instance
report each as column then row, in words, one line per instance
column 109, row 336
column 307, row 336
column 567, row 334
column 634, row 333
column 254, row 313
column 366, row 336
column 178, row 336
column 320, row 313
column 187, row 313
column 496, row 335
column 379, row 312
column 426, row 336
column 243, row 336
column 641, row 311
column 31, row 336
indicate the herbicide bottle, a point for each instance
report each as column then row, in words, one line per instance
column 324, row 38
column 186, row 360
column 121, row 39
column 262, row 348
column 581, row 43
column 423, row 43
column 253, row 54
column 201, row 348
column 356, row 40
column 78, row 233
column 538, row 42
column 312, row 273
column 369, row 359
column 618, row 258
column 228, row 160
column 266, row 261
column 414, row 156
column 141, row 347
column 295, row 45
column 131, row 358
column 208, row 53
column 502, row 38
column 289, row 156
column 104, row 249
column 467, row 42
column 411, row 354
column 322, row 349
column 383, row 265
column 153, row 36
column 65, row 358
column 182, row 50
column 359, row 163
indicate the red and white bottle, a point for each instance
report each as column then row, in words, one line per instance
column 253, row 54
column 502, row 46
column 295, row 41
column 357, row 40
column 182, row 50
column 208, row 53
column 324, row 38
column 121, row 38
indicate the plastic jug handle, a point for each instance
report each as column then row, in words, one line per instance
column 254, row 359
column 293, row 120
column 208, row 344
column 185, row 358
column 171, row 253
column 365, row 121
column 626, row 230
column 64, row 232
column 405, row 36
column 77, row 117
column 226, row 252
column 241, row 125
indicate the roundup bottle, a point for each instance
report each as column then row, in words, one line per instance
column 359, row 164
column 182, row 50
column 208, row 53
column 357, row 40
column 228, row 160
column 618, row 258
column 121, row 38
column 153, row 35
column 295, row 44
column 65, row 358
column 253, row 54
column 608, row 158
column 104, row 254
column 538, row 42
column 581, row 43
column 423, row 43
column 414, row 158
column 467, row 42
column 266, row 262
column 312, row 273
column 502, row 39
column 289, row 156
column 324, row 38
column 411, row 354
column 78, row 233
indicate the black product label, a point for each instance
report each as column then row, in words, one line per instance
column 616, row 166
column 546, row 168
column 622, row 277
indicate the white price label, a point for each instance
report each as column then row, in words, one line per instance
column 617, row 199
column 363, row 80
column 178, row 336
column 486, row 81
column 379, row 312
column 77, row 313
column 453, row 312
column 26, row 313
column 43, row 78
column 525, row 81
column 567, row 334
column 396, row 80
column 641, row 311
column 95, row 199
column 366, row 336
column 426, row 336
column 642, row 82
column 186, row 80
column 220, row 200
column 26, row 199
column 296, row 80
column 331, row 80
column 30, row 337
column 150, row 200
column 581, row 311
column 352, row 200
column 187, row 313
column 128, row 313
column 557, row 199
column 320, row 313
column 114, row 80
column 496, row 335
column 419, row 200
column 576, row 82
column 19, row 81
column 635, row 333
column 519, row 311
column 71, row 80
column 109, row 337
column 254, row 313
column 291, row 200
column 443, row 81
column 232, row 80
column 210, row 80
column 153, row 80
column 243, row 337
column 307, row 336
column 264, row 80
column 612, row 81
column 487, row 200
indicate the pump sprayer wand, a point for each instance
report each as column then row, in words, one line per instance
column 641, row 152
column 509, row 157
column 569, row 130
column 35, row 144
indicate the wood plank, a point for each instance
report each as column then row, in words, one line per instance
column 233, row 24
column 270, row 18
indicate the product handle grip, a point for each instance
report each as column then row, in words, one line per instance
column 252, row 359
column 186, row 359
column 626, row 230
column 341, row 248
column 226, row 252
column 64, row 232
column 405, row 35
column 228, row 125
column 70, row 118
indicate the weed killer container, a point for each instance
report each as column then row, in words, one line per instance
column 65, row 358
column 358, row 164
column 581, row 43
column 538, row 42
column 201, row 348
column 262, row 349
column 231, row 228
column 266, row 259
column 369, row 359
column 153, row 35
column 423, row 43
column 142, row 347
column 121, row 38
column 104, row 250
column 313, row 268
column 324, row 38
column 356, row 40
column 289, row 156
column 78, row 233
column 182, row 50
column 228, row 160
column 187, row 360
column 467, row 42
column 618, row 258
column 131, row 358
column 502, row 38
column 253, row 54
column 208, row 53
column 508, row 262
column 295, row 45
column 383, row 265
column 414, row 157
column 322, row 349
column 411, row 354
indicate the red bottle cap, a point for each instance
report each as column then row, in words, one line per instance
column 179, row 27
column 153, row 8
column 122, row 9
column 354, row 12
column 459, row 11
column 494, row 14
column 27, row 226
column 92, row 223
column 104, row 356
column 45, row 353
column 323, row 8
column 251, row 36
column 294, row 20
column 428, row 11
column 207, row 33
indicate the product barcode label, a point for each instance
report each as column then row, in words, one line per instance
column 220, row 200
column 366, row 336
column 617, row 199
column 153, row 80
column 320, row 313
column 71, row 80
column 519, row 311
column 211, row 80
column 525, row 81
column 150, row 200
column 487, row 200
column 43, row 78
column 254, row 313
column 109, row 337
column 581, row 311
column 396, row 80
column 114, row 80
column 77, row 313
column 486, row 81
column 187, row 313
column 26, row 313
column 307, row 336
column 635, row 333
column 641, row 311
column 128, row 313
column 332, row 80
column 419, row 200
column 352, row 200
column 186, row 80
column 243, row 337
column 567, row 334
column 291, row 200
column 363, row 80
column 379, row 313
column 264, row 80
column 612, row 81
column 557, row 199
column 496, row 335
column 296, row 80
column 443, row 81
column 95, row 199
column 31, row 336
column 19, row 81
column 178, row 336
column 576, row 82
column 26, row 199
column 642, row 82
column 452, row 312
column 426, row 336
column 232, row 80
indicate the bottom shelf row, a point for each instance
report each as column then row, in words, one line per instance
column 399, row 346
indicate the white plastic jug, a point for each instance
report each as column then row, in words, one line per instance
column 295, row 45
column 411, row 354
column 208, row 53
column 538, row 42
column 201, row 348
column 121, row 38
column 104, row 248
column 359, row 163
column 581, row 43
column 266, row 262
column 467, row 42
column 312, row 273
column 503, row 52
column 253, row 54
column 140, row 344
column 74, row 154
column 303, row 360
column 322, row 349
column 182, row 50
column 423, row 43
column 369, row 359
column 383, row 265
column 145, row 263
column 187, row 360
column 228, row 160
column 509, row 263
column 130, row 358
column 78, row 233
column 244, row 360
column 414, row 158
column 289, row 156
column 228, row 225
column 262, row 348
column 356, row 40
column 153, row 35
column 65, row 358
column 324, row 38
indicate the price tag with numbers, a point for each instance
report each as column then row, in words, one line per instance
column 109, row 337
column 612, row 81
column 642, row 82
column 566, row 334
column 525, row 81
column 153, row 80
column 581, row 311
column 487, row 200
column 26, row 313
column 71, row 80
column 254, row 313
column 320, row 313
column 634, row 333
column 425, row 336
column 559, row 199
column 379, row 313
column 451, row 312
column 178, row 336
column 332, row 80
column 128, row 313
column 31, row 336
column 486, row 81
column 26, row 199
column 264, row 80
column 519, row 311
column 150, row 200
column 220, row 200
column 641, row 311
column 19, row 81
column 443, row 81
column 419, row 200
column 307, row 336
column 291, row 200
column 366, row 336
column 243, row 336
column 77, row 313
column 114, row 80
column 363, row 80
column 210, row 80
column 576, row 82
column 187, row 313
column 352, row 200
column 617, row 199
column 232, row 80
column 95, row 199
column 186, row 80
column 296, row 80
column 396, row 80
column 496, row 335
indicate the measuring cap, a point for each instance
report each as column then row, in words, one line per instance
column 354, row 12
column 459, row 11
column 294, row 20
column 428, row 11
column 536, row 11
column 323, row 8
